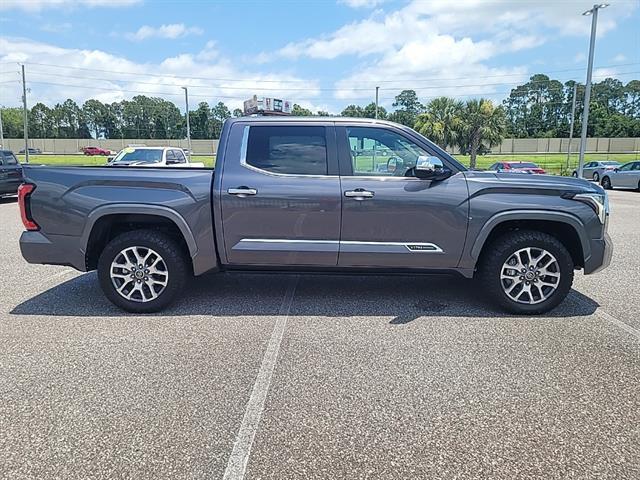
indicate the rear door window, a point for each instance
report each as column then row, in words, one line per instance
column 179, row 155
column 289, row 150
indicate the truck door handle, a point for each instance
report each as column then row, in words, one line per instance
column 242, row 191
column 359, row 194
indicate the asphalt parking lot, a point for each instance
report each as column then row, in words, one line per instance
column 319, row 376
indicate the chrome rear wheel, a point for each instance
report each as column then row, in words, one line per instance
column 139, row 274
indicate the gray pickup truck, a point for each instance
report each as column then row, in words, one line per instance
column 316, row 195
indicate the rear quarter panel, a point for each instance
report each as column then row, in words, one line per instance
column 68, row 200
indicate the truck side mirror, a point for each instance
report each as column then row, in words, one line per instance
column 428, row 167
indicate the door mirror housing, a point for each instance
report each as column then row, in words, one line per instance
column 429, row 167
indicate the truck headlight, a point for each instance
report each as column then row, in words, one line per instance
column 599, row 202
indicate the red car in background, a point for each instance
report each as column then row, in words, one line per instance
column 516, row 167
column 95, row 151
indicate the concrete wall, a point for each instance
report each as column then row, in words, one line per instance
column 210, row 147
column 560, row 145
column 70, row 146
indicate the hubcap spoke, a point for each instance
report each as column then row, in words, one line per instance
column 530, row 275
column 139, row 274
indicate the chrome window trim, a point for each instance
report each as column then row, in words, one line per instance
column 243, row 160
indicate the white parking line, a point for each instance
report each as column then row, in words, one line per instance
column 237, row 465
column 610, row 318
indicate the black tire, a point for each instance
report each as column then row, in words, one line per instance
column 170, row 251
column 606, row 183
column 501, row 249
column 596, row 177
column 574, row 174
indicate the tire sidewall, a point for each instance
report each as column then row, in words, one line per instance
column 606, row 183
column 508, row 247
column 596, row 177
column 171, row 254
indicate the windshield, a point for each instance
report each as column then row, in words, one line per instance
column 141, row 155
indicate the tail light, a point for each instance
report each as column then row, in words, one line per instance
column 24, row 192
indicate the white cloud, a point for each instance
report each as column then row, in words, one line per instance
column 440, row 39
column 515, row 26
column 362, row 3
column 620, row 58
column 172, row 31
column 108, row 77
column 580, row 57
column 37, row 5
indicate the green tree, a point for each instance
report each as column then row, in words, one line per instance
column 441, row 121
column 12, row 122
column 370, row 111
column 407, row 108
column 237, row 112
column 352, row 111
column 481, row 123
column 298, row 111
column 95, row 113
column 40, row 121
column 219, row 113
column 200, row 121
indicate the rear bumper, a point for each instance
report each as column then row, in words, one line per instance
column 601, row 253
column 37, row 247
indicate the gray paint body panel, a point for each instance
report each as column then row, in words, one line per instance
column 306, row 221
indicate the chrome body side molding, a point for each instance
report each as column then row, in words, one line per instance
column 286, row 245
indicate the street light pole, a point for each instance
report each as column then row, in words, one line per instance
column 186, row 101
column 587, row 93
column 377, row 88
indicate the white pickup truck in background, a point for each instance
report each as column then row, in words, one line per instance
column 153, row 157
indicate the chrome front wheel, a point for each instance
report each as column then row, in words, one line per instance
column 530, row 275
column 139, row 274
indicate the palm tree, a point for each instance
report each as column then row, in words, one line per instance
column 441, row 121
column 481, row 122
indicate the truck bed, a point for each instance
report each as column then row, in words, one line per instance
column 68, row 201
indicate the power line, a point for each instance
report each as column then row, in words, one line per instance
column 346, row 89
column 169, row 75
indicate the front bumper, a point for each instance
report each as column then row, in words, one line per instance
column 37, row 247
column 601, row 253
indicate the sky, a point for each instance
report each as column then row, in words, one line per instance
column 321, row 54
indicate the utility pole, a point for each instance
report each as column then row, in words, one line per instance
column 186, row 101
column 587, row 92
column 573, row 116
column 26, row 117
column 377, row 88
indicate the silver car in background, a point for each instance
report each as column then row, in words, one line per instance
column 595, row 170
column 627, row 176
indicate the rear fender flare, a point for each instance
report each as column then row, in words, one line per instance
column 140, row 209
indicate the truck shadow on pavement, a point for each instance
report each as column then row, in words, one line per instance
column 403, row 298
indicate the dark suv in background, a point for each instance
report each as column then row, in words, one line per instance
column 10, row 173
